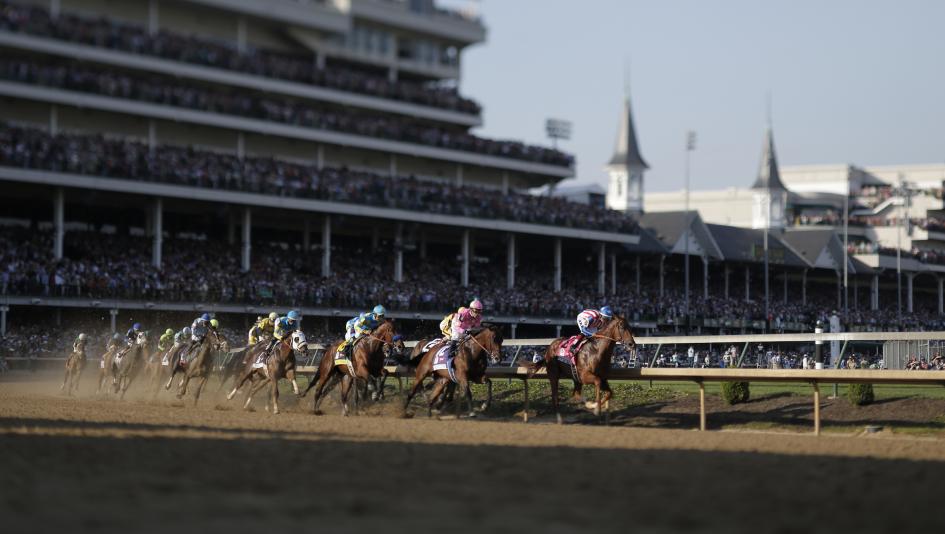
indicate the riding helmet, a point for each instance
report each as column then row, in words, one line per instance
column 606, row 312
column 379, row 310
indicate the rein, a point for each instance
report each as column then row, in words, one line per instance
column 476, row 341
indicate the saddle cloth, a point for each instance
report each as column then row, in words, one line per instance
column 443, row 361
column 565, row 352
column 430, row 344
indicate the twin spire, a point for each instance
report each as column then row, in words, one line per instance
column 627, row 151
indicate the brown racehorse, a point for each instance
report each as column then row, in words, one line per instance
column 199, row 366
column 126, row 368
column 367, row 365
column 280, row 364
column 592, row 363
column 474, row 353
column 105, row 367
column 75, row 364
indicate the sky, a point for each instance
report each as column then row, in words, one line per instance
column 851, row 81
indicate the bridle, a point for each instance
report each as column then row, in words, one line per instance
column 494, row 354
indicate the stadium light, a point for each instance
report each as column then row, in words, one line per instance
column 557, row 129
column 690, row 147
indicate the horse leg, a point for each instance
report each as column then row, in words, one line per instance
column 488, row 402
column 597, row 397
column 274, row 396
column 346, row 382
column 200, row 385
column 467, row 394
column 290, row 376
column 252, row 391
column 553, row 380
column 319, row 391
column 182, row 389
column 417, row 386
column 438, row 387
column 606, row 399
column 238, row 384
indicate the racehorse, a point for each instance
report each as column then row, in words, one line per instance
column 199, row 366
column 480, row 347
column 105, row 367
column 280, row 364
column 156, row 364
column 591, row 363
column 366, row 364
column 75, row 364
column 125, row 364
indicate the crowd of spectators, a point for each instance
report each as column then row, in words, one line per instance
column 176, row 92
column 128, row 159
column 103, row 265
column 113, row 35
column 921, row 254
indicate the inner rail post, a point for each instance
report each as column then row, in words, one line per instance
column 701, row 405
column 816, row 408
column 525, row 411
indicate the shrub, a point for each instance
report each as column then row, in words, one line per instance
column 735, row 392
column 860, row 394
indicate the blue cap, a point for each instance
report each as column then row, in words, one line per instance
column 205, row 317
column 379, row 310
column 294, row 315
column 136, row 326
column 606, row 311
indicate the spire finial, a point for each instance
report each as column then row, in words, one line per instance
column 768, row 119
column 626, row 78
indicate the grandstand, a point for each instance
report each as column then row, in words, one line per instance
column 159, row 157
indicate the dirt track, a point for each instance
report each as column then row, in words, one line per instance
column 89, row 464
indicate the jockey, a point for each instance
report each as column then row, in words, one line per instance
column 181, row 337
column 132, row 334
column 263, row 328
column 284, row 326
column 79, row 345
column 463, row 320
column 446, row 325
column 590, row 321
column 252, row 337
column 214, row 325
column 166, row 339
column 356, row 327
column 113, row 342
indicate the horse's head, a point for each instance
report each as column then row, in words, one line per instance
column 299, row 344
column 618, row 330
column 220, row 342
column 489, row 338
column 395, row 349
column 141, row 339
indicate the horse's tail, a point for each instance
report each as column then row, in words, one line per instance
column 534, row 367
column 416, row 355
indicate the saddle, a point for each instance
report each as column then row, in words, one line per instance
column 569, row 348
column 443, row 361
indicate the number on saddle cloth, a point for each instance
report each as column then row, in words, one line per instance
column 569, row 348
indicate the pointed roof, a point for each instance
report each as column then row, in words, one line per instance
column 768, row 175
column 627, row 151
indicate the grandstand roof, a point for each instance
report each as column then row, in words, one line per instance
column 649, row 243
column 668, row 228
column 627, row 151
column 745, row 244
column 768, row 175
column 820, row 247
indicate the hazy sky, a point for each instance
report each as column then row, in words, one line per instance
column 852, row 81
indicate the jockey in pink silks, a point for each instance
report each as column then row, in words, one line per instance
column 465, row 319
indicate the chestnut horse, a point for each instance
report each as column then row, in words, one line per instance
column 75, row 364
column 279, row 364
column 125, row 367
column 473, row 354
column 199, row 366
column 591, row 363
column 367, row 365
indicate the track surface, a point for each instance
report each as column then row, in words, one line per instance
column 82, row 464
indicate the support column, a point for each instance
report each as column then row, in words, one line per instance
column 727, row 270
column 804, row 287
column 513, row 328
column 638, row 274
column 662, row 272
column 326, row 247
column 157, row 229
column 505, row 182
column 613, row 275
column 705, row 278
column 152, row 135
column 941, row 295
column 59, row 225
column 747, row 283
column 3, row 320
column 557, row 330
column 785, row 286
column 839, row 290
column 375, row 238
column 230, row 230
column 874, row 293
column 113, row 313
column 54, row 119
column 393, row 165
column 464, row 275
column 320, row 157
column 601, row 269
column 247, row 234
column 399, row 253
column 306, row 236
column 154, row 25
column 557, row 275
column 54, row 7
column 510, row 263
column 459, row 175
column 423, row 245
column 240, row 146
column 241, row 34
column 909, row 295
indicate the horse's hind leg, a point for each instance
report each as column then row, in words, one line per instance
column 200, row 385
column 553, row 381
column 252, row 391
column 608, row 394
column 346, row 383
column 438, row 387
column 238, row 384
column 274, row 395
column 417, row 386
column 182, row 390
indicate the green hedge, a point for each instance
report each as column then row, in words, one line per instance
column 860, row 394
column 735, row 392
